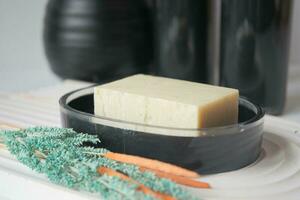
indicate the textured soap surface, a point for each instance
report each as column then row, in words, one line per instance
column 166, row 102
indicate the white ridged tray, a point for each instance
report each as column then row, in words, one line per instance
column 275, row 175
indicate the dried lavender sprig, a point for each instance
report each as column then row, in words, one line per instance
column 68, row 163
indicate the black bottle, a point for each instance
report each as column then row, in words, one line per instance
column 254, row 49
column 180, row 39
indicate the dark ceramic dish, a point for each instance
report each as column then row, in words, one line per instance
column 209, row 150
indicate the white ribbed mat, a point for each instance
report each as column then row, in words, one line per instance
column 38, row 107
column 33, row 108
column 275, row 175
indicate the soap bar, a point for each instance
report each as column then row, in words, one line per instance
column 166, row 102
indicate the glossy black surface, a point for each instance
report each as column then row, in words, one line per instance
column 255, row 38
column 180, row 39
column 97, row 40
column 204, row 154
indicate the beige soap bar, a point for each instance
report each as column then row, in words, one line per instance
column 166, row 102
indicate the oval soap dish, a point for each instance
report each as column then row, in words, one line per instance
column 208, row 150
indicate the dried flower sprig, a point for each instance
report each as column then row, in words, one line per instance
column 59, row 153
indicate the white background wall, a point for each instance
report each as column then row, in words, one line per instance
column 295, row 42
column 22, row 61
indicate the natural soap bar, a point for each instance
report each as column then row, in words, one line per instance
column 166, row 102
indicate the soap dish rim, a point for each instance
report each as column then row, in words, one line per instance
column 188, row 132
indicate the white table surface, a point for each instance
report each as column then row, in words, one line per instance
column 292, row 108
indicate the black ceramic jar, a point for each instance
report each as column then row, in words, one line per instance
column 97, row 40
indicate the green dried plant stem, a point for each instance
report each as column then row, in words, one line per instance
column 59, row 154
column 68, row 177
column 65, row 177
